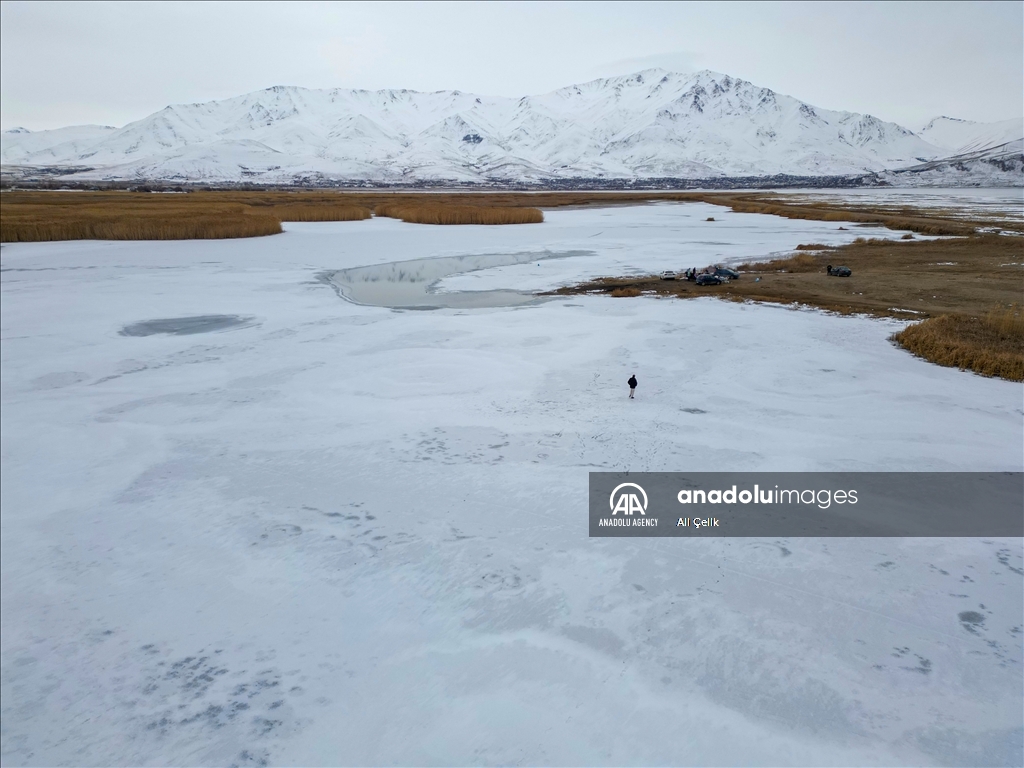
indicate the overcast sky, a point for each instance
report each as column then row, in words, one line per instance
column 111, row 63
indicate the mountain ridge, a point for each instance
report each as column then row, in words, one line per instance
column 648, row 125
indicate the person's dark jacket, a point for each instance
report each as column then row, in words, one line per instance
column 632, row 382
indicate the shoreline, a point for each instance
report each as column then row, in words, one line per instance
column 966, row 288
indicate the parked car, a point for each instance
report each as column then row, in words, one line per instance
column 707, row 279
column 839, row 271
column 726, row 273
column 668, row 274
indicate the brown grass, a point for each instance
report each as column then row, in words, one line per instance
column 627, row 292
column 459, row 214
column 32, row 223
column 912, row 279
column 922, row 221
column 800, row 262
column 35, row 216
column 319, row 212
column 992, row 345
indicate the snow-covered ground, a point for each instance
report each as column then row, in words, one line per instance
column 343, row 534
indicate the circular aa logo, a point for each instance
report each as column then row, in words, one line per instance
column 622, row 500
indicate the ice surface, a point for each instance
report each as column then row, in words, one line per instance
column 965, row 201
column 352, row 535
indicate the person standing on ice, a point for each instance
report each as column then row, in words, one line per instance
column 632, row 385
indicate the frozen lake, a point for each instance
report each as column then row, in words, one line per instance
column 282, row 527
column 1001, row 202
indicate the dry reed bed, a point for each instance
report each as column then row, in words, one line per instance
column 992, row 345
column 318, row 212
column 142, row 216
column 628, row 292
column 923, row 222
column 459, row 214
column 27, row 215
column 142, row 228
column 143, row 220
column 37, row 216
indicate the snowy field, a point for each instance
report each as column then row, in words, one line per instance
column 346, row 534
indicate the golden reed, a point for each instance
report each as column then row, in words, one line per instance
column 992, row 345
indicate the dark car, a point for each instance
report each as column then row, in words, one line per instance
column 706, row 279
column 727, row 274
column 839, row 271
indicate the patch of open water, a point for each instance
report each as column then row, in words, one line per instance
column 413, row 284
column 185, row 326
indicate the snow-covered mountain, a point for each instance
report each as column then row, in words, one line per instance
column 653, row 124
column 21, row 145
column 998, row 166
column 960, row 137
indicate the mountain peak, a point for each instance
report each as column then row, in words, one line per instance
column 935, row 121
